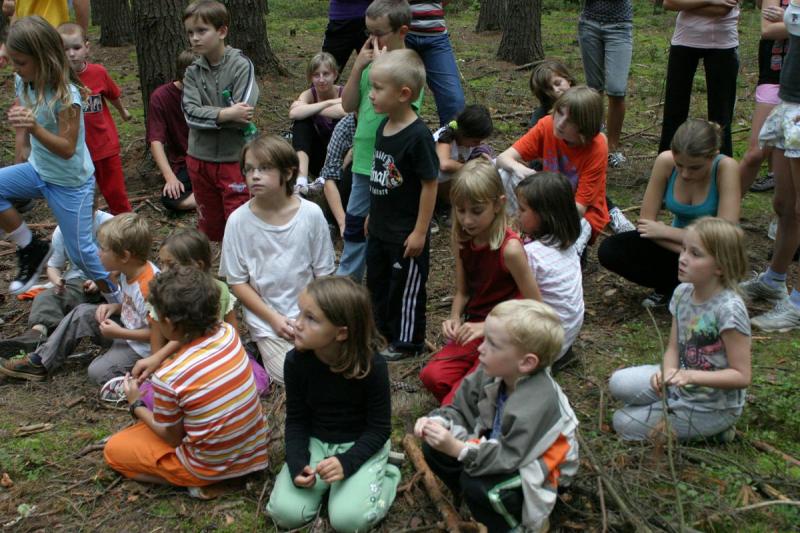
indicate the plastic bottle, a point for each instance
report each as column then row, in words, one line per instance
column 250, row 131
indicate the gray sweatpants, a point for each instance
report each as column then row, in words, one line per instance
column 644, row 410
column 49, row 307
column 80, row 323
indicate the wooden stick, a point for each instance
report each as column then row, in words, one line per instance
column 764, row 447
column 33, row 428
column 73, row 402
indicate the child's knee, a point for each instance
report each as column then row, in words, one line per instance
column 627, row 426
column 353, row 517
column 287, row 514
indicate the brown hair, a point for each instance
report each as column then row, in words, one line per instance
column 533, row 327
column 126, row 232
column 320, row 59
column 182, row 62
column 478, row 182
column 585, row 108
column 208, row 11
column 473, row 122
column 402, row 68
column 724, row 241
column 697, row 138
column 189, row 247
column 188, row 297
column 274, row 152
column 550, row 195
column 541, row 78
column 398, row 12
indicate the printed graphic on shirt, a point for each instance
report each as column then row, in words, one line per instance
column 385, row 174
column 93, row 104
column 555, row 162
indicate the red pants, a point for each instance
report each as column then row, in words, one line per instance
column 111, row 182
column 219, row 188
column 448, row 367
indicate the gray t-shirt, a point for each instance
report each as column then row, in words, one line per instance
column 790, row 73
column 608, row 10
column 700, row 344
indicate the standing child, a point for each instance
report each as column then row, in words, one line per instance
column 101, row 132
column 508, row 440
column 216, row 121
column 707, row 362
column 491, row 267
column 338, row 414
column 274, row 246
column 547, row 214
column 315, row 113
column 402, row 197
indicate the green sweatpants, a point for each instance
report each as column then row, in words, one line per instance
column 356, row 503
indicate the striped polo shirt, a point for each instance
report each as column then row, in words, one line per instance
column 427, row 17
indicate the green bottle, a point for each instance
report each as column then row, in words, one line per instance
column 250, row 131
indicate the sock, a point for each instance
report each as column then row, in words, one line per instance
column 774, row 279
column 35, row 359
column 795, row 298
column 21, row 236
column 302, row 180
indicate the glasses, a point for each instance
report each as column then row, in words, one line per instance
column 378, row 34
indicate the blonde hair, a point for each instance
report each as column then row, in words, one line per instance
column 724, row 242
column 478, row 182
column 697, row 138
column 275, row 152
column 320, row 59
column 348, row 304
column 127, row 232
column 533, row 328
column 585, row 108
column 402, row 68
column 70, row 28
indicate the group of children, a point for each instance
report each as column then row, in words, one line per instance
column 504, row 435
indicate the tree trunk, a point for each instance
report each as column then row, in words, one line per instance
column 160, row 37
column 490, row 17
column 248, row 32
column 95, row 13
column 116, row 28
column 3, row 27
column 522, row 32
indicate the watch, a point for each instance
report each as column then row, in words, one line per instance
column 132, row 409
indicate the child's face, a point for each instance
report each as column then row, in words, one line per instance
column 500, row 357
column 559, row 85
column 168, row 329
column 476, row 218
column 692, row 168
column 384, row 95
column 695, row 264
column 166, row 259
column 110, row 260
column 312, row 329
column 77, row 49
column 203, row 37
column 529, row 220
column 380, row 30
column 469, row 142
column 262, row 180
column 323, row 78
column 564, row 128
column 24, row 65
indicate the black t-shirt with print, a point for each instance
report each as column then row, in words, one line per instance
column 401, row 163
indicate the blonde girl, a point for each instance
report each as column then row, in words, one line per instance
column 706, row 366
column 338, row 413
column 491, row 267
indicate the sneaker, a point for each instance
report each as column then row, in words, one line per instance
column 617, row 160
column 655, row 299
column 568, row 359
column 619, row 223
column 317, row 185
column 434, row 227
column 772, row 230
column 22, row 368
column 392, row 353
column 31, row 261
column 783, row 317
column 724, row 436
column 113, row 391
column 764, row 183
column 22, row 344
column 301, row 189
column 758, row 288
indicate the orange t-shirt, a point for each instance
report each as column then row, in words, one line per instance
column 584, row 166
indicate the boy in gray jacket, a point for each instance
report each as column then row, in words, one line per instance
column 219, row 95
column 508, row 439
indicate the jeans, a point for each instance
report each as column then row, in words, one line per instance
column 606, row 50
column 441, row 71
column 354, row 253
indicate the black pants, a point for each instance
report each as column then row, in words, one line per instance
column 476, row 490
column 722, row 67
column 397, row 286
column 306, row 138
column 343, row 37
column 641, row 261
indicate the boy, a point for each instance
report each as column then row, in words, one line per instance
column 402, row 188
column 508, row 439
column 387, row 24
column 216, row 120
column 101, row 132
column 125, row 242
column 168, row 137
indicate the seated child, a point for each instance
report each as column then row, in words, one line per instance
column 549, row 80
column 508, row 439
column 315, row 113
column 338, row 169
column 125, row 242
column 338, row 414
column 207, row 424
column 274, row 245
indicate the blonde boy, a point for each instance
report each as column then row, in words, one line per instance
column 508, row 439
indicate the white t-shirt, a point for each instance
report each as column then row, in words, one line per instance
column 277, row 261
column 59, row 257
column 558, row 274
column 457, row 153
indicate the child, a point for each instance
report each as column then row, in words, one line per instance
column 168, row 137
column 216, row 120
column 125, row 242
column 70, row 289
column 403, row 195
column 547, row 214
column 315, row 113
column 101, row 132
column 508, row 440
column 274, row 245
column 691, row 180
column 338, row 414
column 338, row 169
column 549, row 80
column 491, row 267
column 47, row 116
column 387, row 24
column 707, row 362
column 207, row 424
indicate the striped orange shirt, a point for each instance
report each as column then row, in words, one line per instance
column 208, row 386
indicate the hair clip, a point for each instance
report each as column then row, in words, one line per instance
column 453, row 125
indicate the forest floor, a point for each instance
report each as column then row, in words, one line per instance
column 54, row 478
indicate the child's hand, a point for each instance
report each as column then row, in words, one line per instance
column 414, row 244
column 240, row 113
column 679, row 378
column 419, row 426
column 21, row 117
column 468, row 332
column 650, row 229
column 60, row 287
column 369, row 52
column 131, row 389
column 330, row 470
column 450, row 328
column 772, row 14
column 103, row 312
column 440, row 438
column 110, row 329
column 655, row 382
column 173, row 188
column 306, row 478
column 126, row 115
column 90, row 287
column 144, row 368
column 284, row 328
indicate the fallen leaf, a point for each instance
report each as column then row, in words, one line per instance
column 5, row 481
column 610, row 292
column 229, row 520
column 132, row 498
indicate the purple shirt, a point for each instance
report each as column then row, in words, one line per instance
column 347, row 9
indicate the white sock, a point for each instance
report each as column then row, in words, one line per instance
column 302, row 180
column 21, row 236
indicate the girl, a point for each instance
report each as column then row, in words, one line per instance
column 707, row 362
column 315, row 113
column 490, row 268
column 547, row 214
column 548, row 81
column 692, row 180
column 50, row 135
column 274, row 245
column 338, row 413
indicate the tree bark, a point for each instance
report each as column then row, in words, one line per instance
column 95, row 11
column 490, row 17
column 3, row 27
column 522, row 32
column 160, row 37
column 248, row 32
column 116, row 28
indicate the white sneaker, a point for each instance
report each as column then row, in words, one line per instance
column 317, row 185
column 617, row 160
column 758, row 288
column 619, row 223
column 783, row 317
column 113, row 391
column 301, row 186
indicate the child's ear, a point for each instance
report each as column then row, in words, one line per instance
column 126, row 256
column 405, row 93
column 402, row 30
column 528, row 363
column 500, row 203
column 223, row 31
column 342, row 333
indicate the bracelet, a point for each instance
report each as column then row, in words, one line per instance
column 135, row 405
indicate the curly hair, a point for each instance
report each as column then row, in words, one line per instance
column 189, row 298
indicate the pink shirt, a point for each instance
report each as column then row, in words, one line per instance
column 698, row 31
